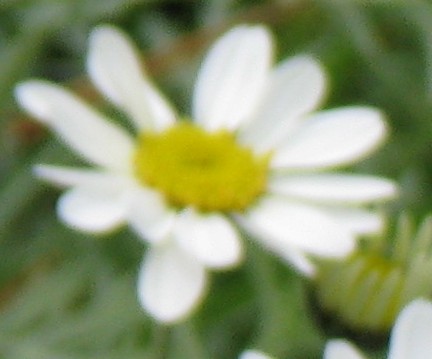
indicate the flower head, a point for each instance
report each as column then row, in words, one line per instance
column 410, row 336
column 379, row 278
column 251, row 153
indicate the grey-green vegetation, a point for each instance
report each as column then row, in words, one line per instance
column 67, row 295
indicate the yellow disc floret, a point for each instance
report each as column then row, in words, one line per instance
column 192, row 167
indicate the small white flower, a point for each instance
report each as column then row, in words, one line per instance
column 410, row 337
column 253, row 354
column 252, row 152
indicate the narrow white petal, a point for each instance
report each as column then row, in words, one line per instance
column 334, row 188
column 232, row 78
column 160, row 110
column 149, row 215
column 411, row 335
column 294, row 257
column 281, row 223
column 113, row 63
column 359, row 221
column 68, row 177
column 296, row 87
column 81, row 127
column 342, row 349
column 211, row 238
column 171, row 283
column 115, row 68
column 253, row 354
column 94, row 209
column 332, row 138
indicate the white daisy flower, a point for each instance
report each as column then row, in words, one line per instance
column 253, row 153
column 410, row 337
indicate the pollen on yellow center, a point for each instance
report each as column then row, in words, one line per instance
column 192, row 167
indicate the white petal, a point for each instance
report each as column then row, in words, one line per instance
column 296, row 87
column 95, row 209
column 332, row 138
column 150, row 216
column 359, row 221
column 290, row 253
column 113, row 63
column 342, row 349
column 211, row 238
column 411, row 335
column 114, row 66
column 294, row 257
column 171, row 283
column 81, row 127
column 68, row 177
column 232, row 78
column 280, row 223
column 253, row 354
column 334, row 188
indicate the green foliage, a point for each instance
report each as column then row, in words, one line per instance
column 67, row 296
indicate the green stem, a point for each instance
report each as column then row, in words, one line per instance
column 285, row 324
column 273, row 325
column 188, row 343
column 160, row 341
column 420, row 16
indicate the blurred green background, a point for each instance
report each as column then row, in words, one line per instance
column 67, row 295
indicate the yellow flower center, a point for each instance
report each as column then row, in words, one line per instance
column 192, row 167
